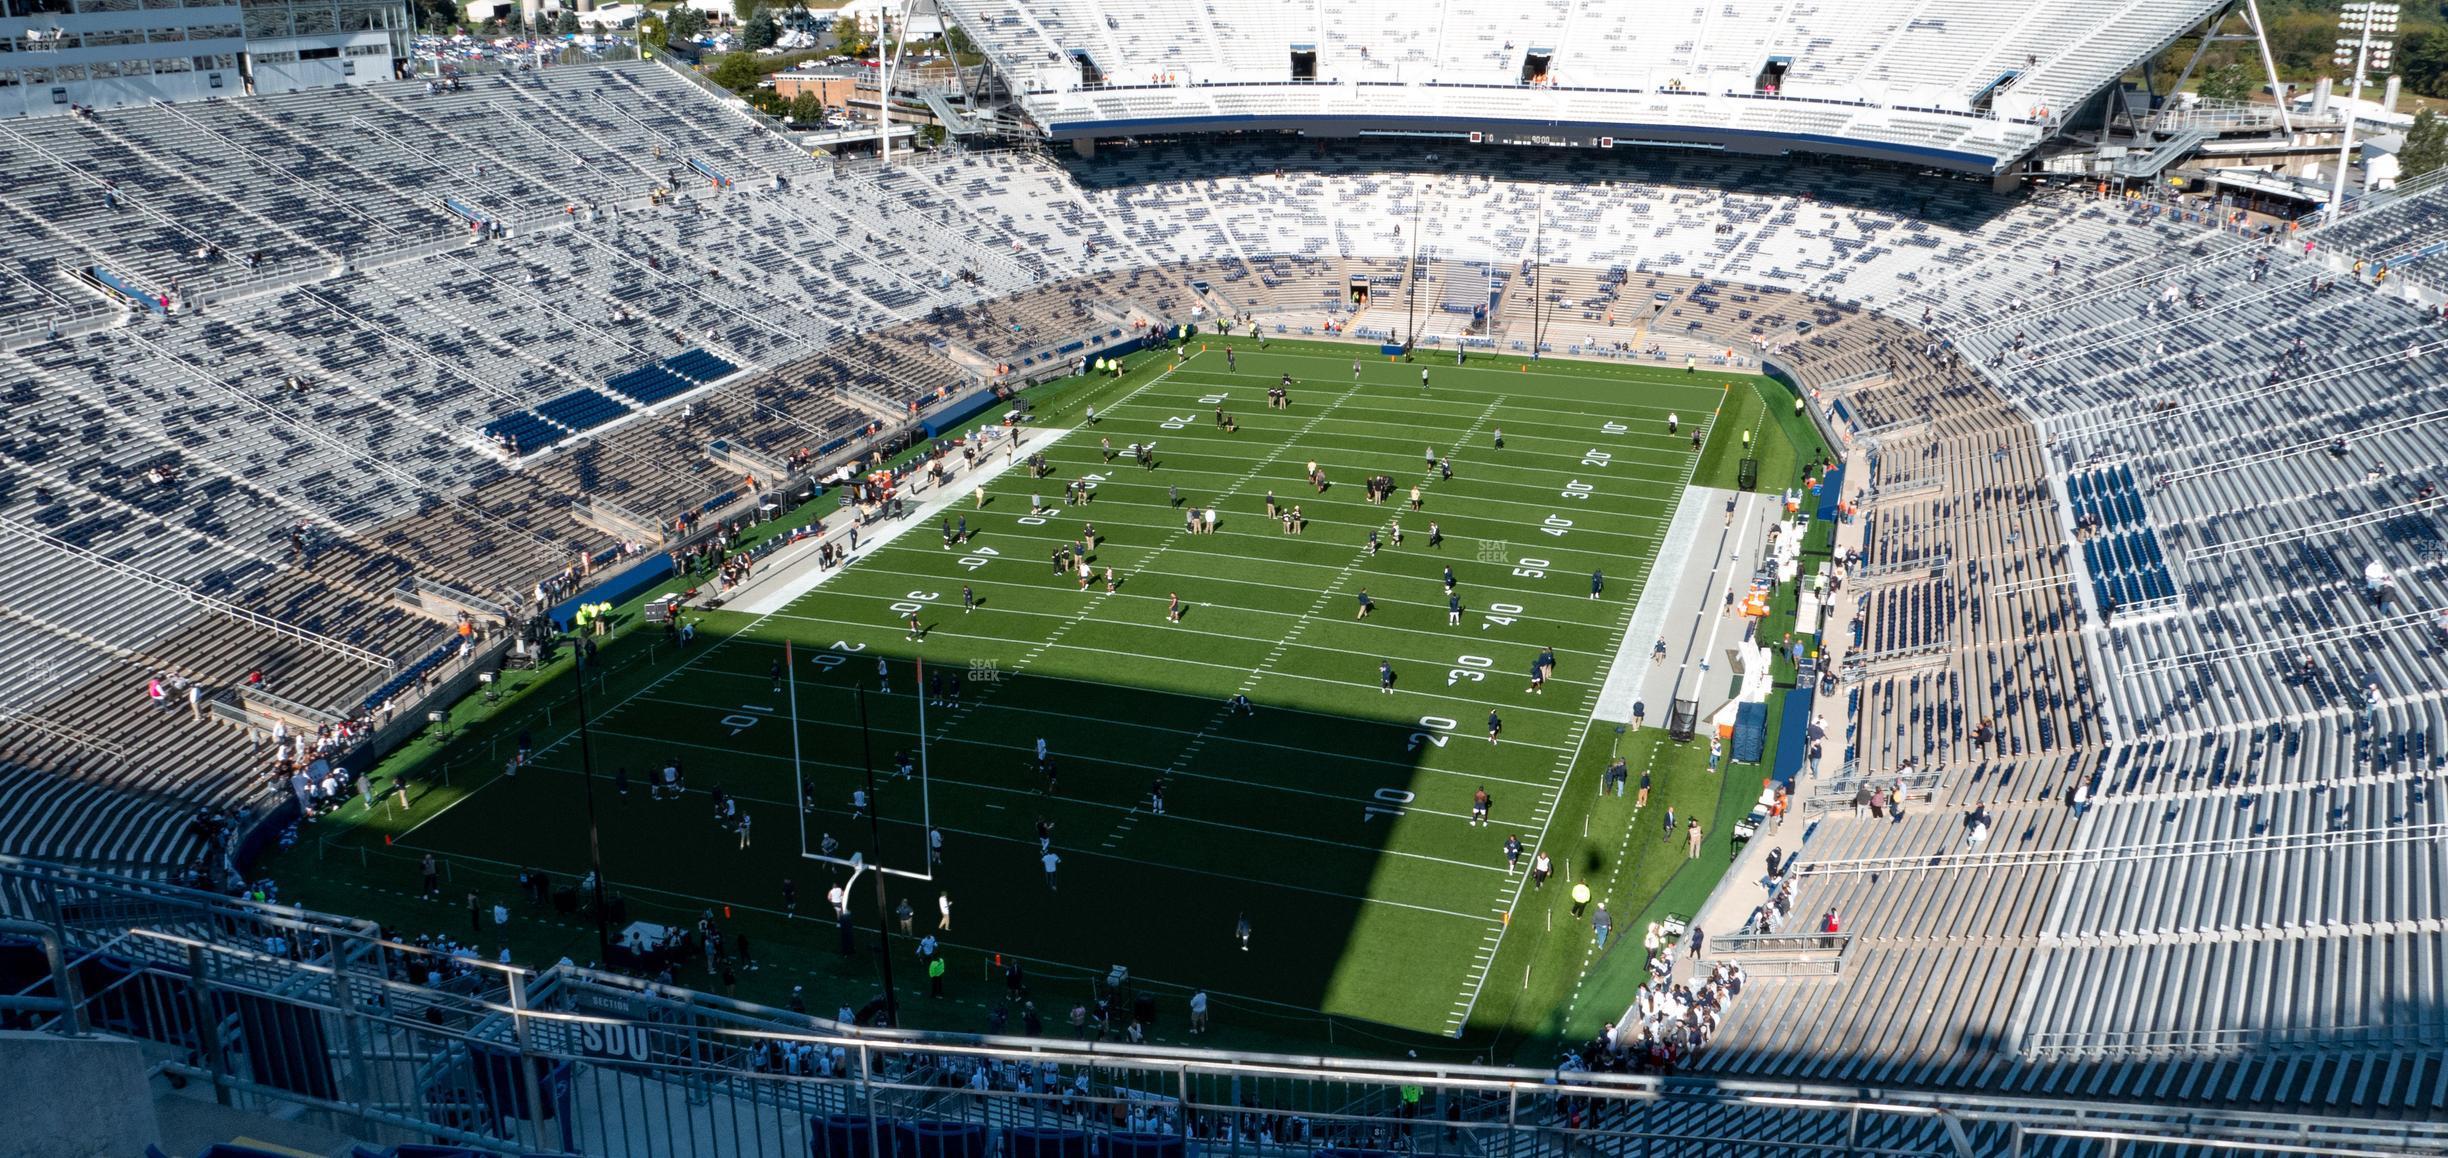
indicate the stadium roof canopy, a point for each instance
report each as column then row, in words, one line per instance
column 1970, row 85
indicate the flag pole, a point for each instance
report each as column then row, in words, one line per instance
column 926, row 804
column 798, row 784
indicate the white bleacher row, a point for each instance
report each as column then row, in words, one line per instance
column 91, row 822
column 396, row 364
column 1234, row 56
column 2407, row 229
column 662, row 104
column 2172, row 673
column 2316, row 848
column 2268, row 524
column 273, row 179
column 1862, row 235
column 2370, row 995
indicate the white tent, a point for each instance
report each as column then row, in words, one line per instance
column 611, row 15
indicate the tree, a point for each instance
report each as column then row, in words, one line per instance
column 685, row 25
column 737, row 71
column 435, row 15
column 761, row 31
column 807, row 108
column 2423, row 60
column 651, row 34
column 566, row 24
column 741, row 10
column 2226, row 84
column 2425, row 148
column 851, row 34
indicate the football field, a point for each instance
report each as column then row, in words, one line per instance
column 1336, row 817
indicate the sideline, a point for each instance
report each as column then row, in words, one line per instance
column 792, row 571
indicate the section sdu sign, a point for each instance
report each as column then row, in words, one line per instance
column 620, row 1042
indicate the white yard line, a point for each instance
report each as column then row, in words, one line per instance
column 794, row 578
column 1448, row 634
column 1477, row 984
column 1186, row 733
column 667, row 677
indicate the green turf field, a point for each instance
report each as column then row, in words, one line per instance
column 1337, row 818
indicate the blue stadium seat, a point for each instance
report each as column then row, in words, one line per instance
column 1129, row 1145
column 846, row 1135
column 1045, row 1142
column 699, row 366
column 648, row 385
column 531, row 432
column 941, row 1140
column 582, row 409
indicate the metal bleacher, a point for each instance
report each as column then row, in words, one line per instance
column 239, row 487
column 2107, row 509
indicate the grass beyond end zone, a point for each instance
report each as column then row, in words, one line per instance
column 1337, row 818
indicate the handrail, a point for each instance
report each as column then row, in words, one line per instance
column 2403, row 621
column 2109, row 417
column 286, row 706
column 2224, row 548
column 542, row 1014
column 2135, row 1042
column 2379, row 199
column 1778, row 942
column 450, row 594
column 198, row 598
column 632, row 522
column 2227, row 846
column 1838, row 791
column 37, row 721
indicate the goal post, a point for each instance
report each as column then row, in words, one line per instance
column 872, row 860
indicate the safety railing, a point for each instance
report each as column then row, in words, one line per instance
column 219, row 607
column 2212, row 850
column 1784, row 954
column 510, row 1060
column 2105, row 1043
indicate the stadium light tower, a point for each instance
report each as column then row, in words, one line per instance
column 892, row 33
column 2362, row 52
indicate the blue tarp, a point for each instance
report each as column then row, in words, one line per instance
column 1829, row 489
column 465, row 212
column 1793, row 737
column 950, row 418
column 134, row 294
column 1750, row 733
